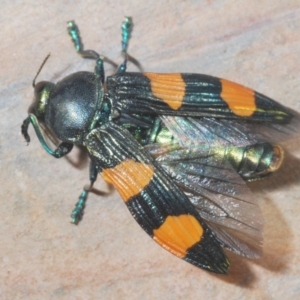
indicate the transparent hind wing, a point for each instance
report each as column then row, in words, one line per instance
column 213, row 132
column 218, row 193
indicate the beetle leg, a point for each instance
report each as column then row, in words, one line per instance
column 62, row 149
column 94, row 170
column 91, row 54
column 24, row 129
column 127, row 26
column 78, row 211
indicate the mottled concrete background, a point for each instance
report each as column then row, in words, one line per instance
column 43, row 256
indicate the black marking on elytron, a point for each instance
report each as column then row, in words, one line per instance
column 131, row 93
column 276, row 113
column 204, row 254
column 158, row 200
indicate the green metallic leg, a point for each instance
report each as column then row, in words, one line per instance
column 63, row 148
column 127, row 26
column 91, row 54
column 78, row 211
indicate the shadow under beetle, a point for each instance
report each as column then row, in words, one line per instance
column 177, row 147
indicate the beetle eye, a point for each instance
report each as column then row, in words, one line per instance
column 41, row 95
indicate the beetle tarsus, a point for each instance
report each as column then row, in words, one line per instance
column 78, row 211
column 126, row 27
column 24, row 130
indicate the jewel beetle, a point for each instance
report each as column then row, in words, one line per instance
column 179, row 148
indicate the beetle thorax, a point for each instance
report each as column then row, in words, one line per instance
column 72, row 105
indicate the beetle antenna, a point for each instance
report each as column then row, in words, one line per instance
column 40, row 69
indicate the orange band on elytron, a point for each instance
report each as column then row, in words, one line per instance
column 241, row 100
column 129, row 177
column 170, row 88
column 178, row 233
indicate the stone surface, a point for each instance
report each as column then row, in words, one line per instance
column 43, row 256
